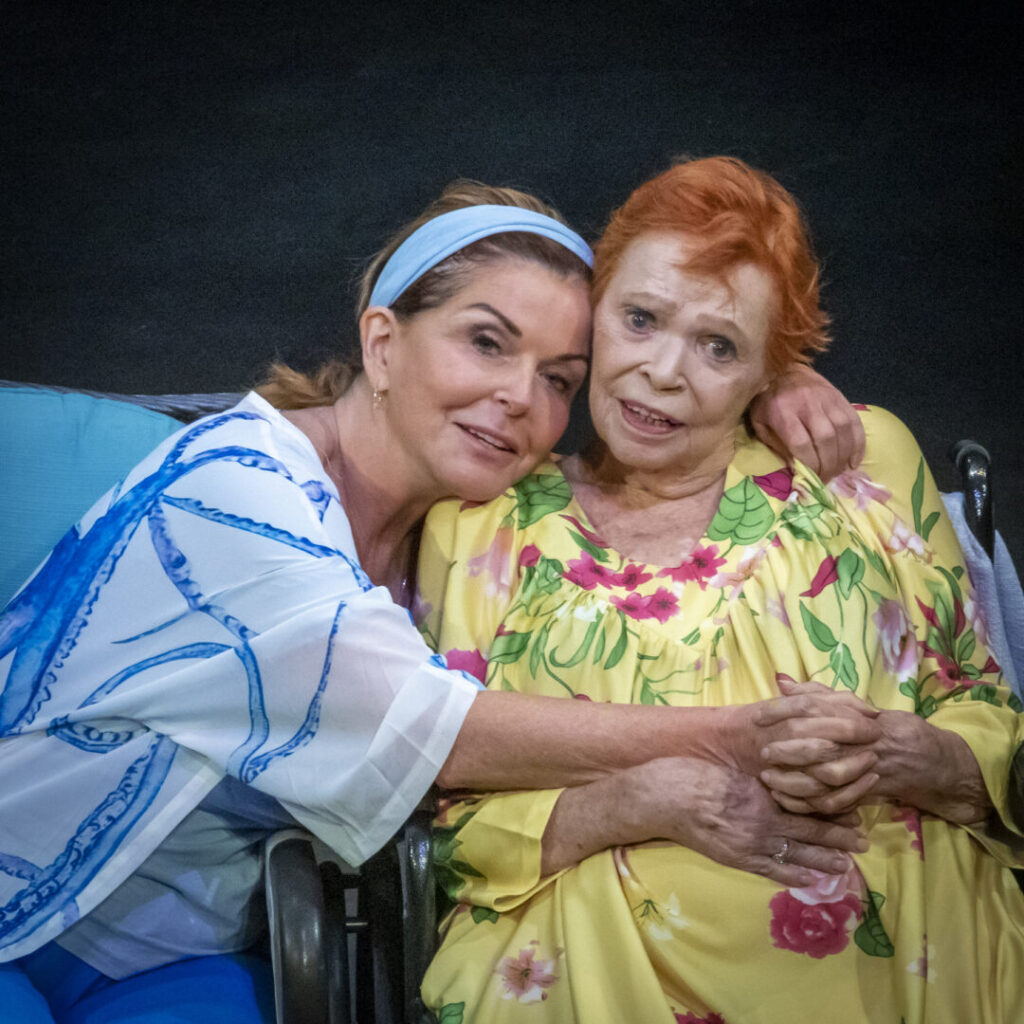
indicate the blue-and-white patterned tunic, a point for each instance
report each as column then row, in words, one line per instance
column 207, row 617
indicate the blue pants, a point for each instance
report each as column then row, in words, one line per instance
column 51, row 986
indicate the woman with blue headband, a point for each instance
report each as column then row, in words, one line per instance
column 222, row 645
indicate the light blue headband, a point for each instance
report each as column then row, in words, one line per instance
column 440, row 237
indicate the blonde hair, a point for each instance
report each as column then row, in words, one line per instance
column 288, row 388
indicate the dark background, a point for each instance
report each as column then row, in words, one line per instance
column 189, row 190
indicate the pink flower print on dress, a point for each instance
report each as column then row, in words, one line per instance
column 898, row 642
column 911, row 816
column 632, row 576
column 824, row 577
column 419, row 609
column 776, row 485
column 530, row 555
column 752, row 557
column 817, row 919
column 959, row 618
column 975, row 615
column 950, row 674
column 494, row 563
column 776, row 607
column 924, row 965
column 903, row 538
column 859, row 486
column 586, row 572
column 662, row 604
column 828, row 888
column 817, row 929
column 699, row 566
column 633, row 605
column 525, row 978
column 472, row 662
column 745, row 568
column 584, row 532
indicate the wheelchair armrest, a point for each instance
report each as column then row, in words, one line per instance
column 398, row 884
column 297, row 920
column 419, row 892
column 393, row 936
column 308, row 931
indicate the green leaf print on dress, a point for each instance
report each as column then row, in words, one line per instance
column 451, row 873
column 744, row 514
column 538, row 495
column 508, row 647
column 820, row 635
column 870, row 934
column 916, row 498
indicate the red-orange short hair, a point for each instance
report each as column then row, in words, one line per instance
column 737, row 215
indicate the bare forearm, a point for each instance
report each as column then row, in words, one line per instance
column 587, row 819
column 514, row 741
column 716, row 811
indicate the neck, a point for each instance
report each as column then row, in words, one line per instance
column 383, row 505
column 649, row 517
column 636, row 487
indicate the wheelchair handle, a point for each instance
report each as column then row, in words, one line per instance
column 974, row 465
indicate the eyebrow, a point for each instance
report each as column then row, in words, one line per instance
column 714, row 322
column 707, row 321
column 509, row 326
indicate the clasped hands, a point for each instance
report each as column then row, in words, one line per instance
column 826, row 753
column 780, row 796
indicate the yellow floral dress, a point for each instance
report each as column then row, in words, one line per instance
column 858, row 584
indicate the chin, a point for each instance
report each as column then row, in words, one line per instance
column 482, row 490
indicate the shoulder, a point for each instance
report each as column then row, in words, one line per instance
column 495, row 531
column 539, row 493
column 886, row 432
column 891, row 453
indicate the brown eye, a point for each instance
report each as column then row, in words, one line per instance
column 486, row 344
column 560, row 384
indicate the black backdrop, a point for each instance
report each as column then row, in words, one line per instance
column 189, row 189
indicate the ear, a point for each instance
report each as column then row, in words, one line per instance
column 377, row 330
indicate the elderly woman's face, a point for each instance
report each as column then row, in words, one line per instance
column 677, row 357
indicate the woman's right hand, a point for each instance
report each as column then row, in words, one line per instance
column 801, row 415
column 716, row 810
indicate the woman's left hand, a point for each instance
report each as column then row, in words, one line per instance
column 801, row 415
column 916, row 763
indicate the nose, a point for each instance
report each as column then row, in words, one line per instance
column 515, row 390
column 665, row 367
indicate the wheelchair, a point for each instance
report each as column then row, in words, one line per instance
column 346, row 943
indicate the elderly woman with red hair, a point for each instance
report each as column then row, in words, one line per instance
column 679, row 562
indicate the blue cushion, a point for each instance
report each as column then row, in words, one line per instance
column 58, row 454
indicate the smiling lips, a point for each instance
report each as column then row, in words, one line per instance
column 647, row 420
column 496, row 441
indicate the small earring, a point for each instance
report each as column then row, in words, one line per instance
column 378, row 398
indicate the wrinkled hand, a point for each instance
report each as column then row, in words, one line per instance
column 730, row 817
column 801, row 415
column 809, row 763
column 816, row 743
column 910, row 761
